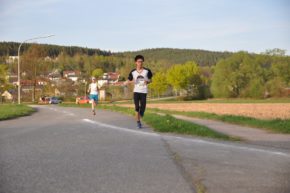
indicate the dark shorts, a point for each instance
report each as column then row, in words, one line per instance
column 140, row 102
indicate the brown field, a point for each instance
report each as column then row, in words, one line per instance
column 260, row 111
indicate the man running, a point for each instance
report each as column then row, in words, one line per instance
column 141, row 77
column 93, row 90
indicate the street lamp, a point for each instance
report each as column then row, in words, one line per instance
column 85, row 88
column 19, row 84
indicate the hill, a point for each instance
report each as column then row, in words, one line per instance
column 165, row 55
column 179, row 56
column 11, row 49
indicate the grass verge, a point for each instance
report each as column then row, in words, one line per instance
column 9, row 111
column 166, row 124
column 275, row 125
column 169, row 124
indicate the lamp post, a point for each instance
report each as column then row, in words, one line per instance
column 19, row 84
column 85, row 89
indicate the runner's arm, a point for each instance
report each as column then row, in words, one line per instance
column 89, row 88
column 98, row 87
column 130, row 79
column 149, row 75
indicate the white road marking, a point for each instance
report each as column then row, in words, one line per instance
column 120, row 128
column 230, row 146
column 68, row 113
column 187, row 139
column 62, row 111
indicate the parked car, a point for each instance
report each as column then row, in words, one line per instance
column 82, row 100
column 55, row 100
column 44, row 100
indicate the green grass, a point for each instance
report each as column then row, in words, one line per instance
column 275, row 125
column 167, row 123
column 9, row 111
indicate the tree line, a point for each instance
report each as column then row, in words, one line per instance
column 11, row 49
column 242, row 75
column 191, row 73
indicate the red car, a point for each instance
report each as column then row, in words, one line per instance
column 82, row 100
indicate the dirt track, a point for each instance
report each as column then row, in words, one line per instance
column 261, row 111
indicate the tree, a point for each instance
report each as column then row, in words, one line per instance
column 184, row 76
column 275, row 52
column 175, row 77
column 281, row 68
column 250, row 75
column 255, row 89
column 276, row 87
column 4, row 84
column 159, row 83
column 32, row 62
column 232, row 75
column 3, row 79
column 98, row 72
column 3, row 74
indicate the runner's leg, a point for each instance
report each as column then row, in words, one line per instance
column 137, row 108
column 95, row 104
column 143, row 103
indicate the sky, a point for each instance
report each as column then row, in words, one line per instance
column 128, row 25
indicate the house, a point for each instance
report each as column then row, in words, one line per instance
column 28, row 85
column 47, row 58
column 73, row 78
column 54, row 76
column 72, row 74
column 12, row 59
column 113, row 77
column 102, row 95
column 67, row 73
column 12, row 78
column 109, row 78
column 43, row 81
column 37, row 82
column 120, row 83
column 287, row 91
column 7, row 96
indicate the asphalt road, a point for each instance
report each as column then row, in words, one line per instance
column 68, row 150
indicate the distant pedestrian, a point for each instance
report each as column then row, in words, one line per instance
column 94, row 91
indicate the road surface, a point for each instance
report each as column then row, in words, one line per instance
column 68, row 150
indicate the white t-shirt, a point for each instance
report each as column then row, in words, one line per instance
column 139, row 79
column 94, row 88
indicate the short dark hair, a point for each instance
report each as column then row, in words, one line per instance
column 139, row 57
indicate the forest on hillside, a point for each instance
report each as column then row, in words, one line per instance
column 11, row 49
column 87, row 59
column 194, row 74
column 179, row 56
